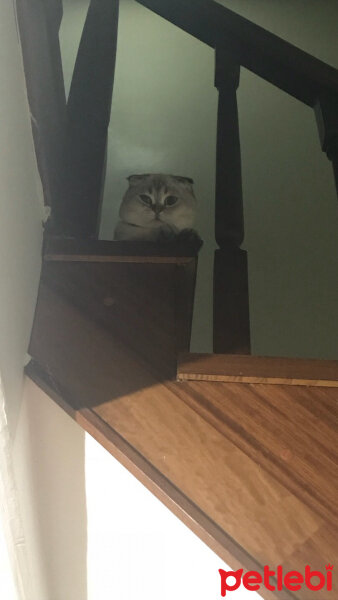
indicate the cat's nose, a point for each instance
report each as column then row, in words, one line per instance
column 158, row 209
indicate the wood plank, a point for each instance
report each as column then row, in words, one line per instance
column 68, row 249
column 257, row 369
column 119, row 258
column 289, row 431
column 229, row 500
column 285, row 66
column 142, row 304
column 251, row 469
column 172, row 497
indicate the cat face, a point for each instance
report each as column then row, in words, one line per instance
column 154, row 199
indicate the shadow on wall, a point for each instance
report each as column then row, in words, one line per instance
column 50, row 469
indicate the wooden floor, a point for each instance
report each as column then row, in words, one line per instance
column 251, row 468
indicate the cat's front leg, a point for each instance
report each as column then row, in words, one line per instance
column 190, row 236
column 166, row 233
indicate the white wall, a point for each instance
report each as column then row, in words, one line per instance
column 20, row 249
column 49, row 459
column 20, row 215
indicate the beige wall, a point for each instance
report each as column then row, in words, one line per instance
column 20, row 250
column 20, row 215
column 49, row 458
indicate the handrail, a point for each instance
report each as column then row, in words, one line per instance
column 72, row 139
column 241, row 43
column 265, row 54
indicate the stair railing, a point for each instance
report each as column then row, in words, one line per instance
column 237, row 42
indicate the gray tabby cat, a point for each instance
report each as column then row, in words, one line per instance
column 157, row 207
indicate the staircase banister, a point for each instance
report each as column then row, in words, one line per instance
column 287, row 67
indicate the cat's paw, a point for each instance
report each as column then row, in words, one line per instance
column 166, row 234
column 191, row 237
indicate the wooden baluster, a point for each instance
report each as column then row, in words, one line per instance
column 39, row 24
column 231, row 304
column 88, row 112
column 326, row 110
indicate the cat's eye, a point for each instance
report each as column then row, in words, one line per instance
column 171, row 200
column 146, row 199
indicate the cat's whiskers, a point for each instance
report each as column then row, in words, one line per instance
column 156, row 203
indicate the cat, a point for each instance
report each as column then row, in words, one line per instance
column 157, row 208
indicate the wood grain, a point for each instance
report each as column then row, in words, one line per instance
column 91, row 250
column 250, row 468
column 144, row 306
column 257, row 369
column 172, row 497
column 290, row 431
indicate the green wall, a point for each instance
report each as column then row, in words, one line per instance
column 164, row 119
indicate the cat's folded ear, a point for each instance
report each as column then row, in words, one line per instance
column 184, row 180
column 135, row 179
